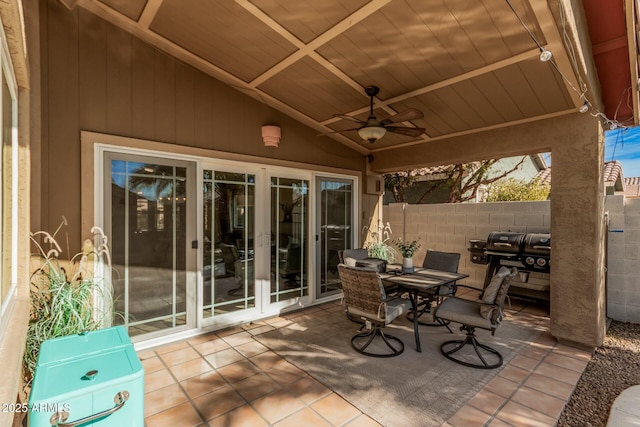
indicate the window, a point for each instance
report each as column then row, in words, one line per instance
column 8, row 173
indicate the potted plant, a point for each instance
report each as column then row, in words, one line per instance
column 377, row 242
column 407, row 250
column 67, row 297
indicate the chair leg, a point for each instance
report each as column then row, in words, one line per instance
column 448, row 351
column 395, row 344
column 427, row 309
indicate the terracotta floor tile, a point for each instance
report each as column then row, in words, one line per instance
column 274, row 320
column 521, row 416
column 152, row 364
column 171, row 347
column 513, row 373
column 335, row 409
column 179, row 356
column 203, row 384
column 576, row 353
column 266, row 360
column 238, row 338
column 238, row 371
column 202, row 338
column 365, row 421
column 566, row 361
column 183, row 415
column 224, row 357
column 487, row 402
column 468, row 416
column 218, row 402
column 558, row 373
column 162, row 399
column 229, row 331
column 498, row 423
column 243, row 416
column 286, row 373
column 535, row 352
column 256, row 386
column 251, row 349
column 305, row 417
column 546, row 340
column 211, row 346
column 277, row 405
column 261, row 330
column 550, row 386
column 541, row 402
column 157, row 380
column 501, row 386
column 308, row 390
column 524, row 362
column 191, row 368
column 146, row 354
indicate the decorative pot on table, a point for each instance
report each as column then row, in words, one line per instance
column 407, row 265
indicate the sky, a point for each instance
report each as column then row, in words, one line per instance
column 623, row 145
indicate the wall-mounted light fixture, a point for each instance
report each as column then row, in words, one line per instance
column 271, row 135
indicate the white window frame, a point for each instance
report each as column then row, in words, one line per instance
column 6, row 67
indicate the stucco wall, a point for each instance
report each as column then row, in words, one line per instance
column 449, row 227
column 623, row 280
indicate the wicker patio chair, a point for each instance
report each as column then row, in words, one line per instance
column 365, row 299
column 486, row 313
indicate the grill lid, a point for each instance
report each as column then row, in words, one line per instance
column 505, row 242
column 537, row 244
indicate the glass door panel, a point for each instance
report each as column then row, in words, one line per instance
column 289, row 238
column 229, row 229
column 335, row 212
column 148, row 208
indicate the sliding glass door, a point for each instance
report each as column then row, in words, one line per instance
column 229, row 225
column 150, row 219
column 334, row 228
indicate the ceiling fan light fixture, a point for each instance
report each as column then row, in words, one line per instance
column 371, row 133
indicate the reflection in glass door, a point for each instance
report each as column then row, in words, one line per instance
column 148, row 213
column 334, row 212
column 229, row 228
column 289, row 238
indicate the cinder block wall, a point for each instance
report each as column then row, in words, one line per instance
column 623, row 278
column 449, row 227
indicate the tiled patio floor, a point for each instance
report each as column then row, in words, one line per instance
column 230, row 379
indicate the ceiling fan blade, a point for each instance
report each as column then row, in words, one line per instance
column 405, row 131
column 353, row 119
column 336, row 131
column 403, row 116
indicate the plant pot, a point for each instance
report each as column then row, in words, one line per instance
column 407, row 265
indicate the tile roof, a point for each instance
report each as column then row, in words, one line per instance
column 611, row 175
column 632, row 186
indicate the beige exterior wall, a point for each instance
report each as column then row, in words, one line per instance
column 623, row 281
column 449, row 227
column 98, row 78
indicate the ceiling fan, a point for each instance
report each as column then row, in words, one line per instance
column 373, row 129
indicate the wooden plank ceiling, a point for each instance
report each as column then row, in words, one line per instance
column 467, row 65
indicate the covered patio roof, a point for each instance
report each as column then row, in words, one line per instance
column 468, row 66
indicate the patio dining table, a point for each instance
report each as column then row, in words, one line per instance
column 421, row 279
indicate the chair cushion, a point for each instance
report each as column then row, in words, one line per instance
column 355, row 254
column 394, row 307
column 491, row 292
column 375, row 264
column 351, row 262
column 462, row 311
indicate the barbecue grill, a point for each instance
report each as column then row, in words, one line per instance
column 526, row 251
